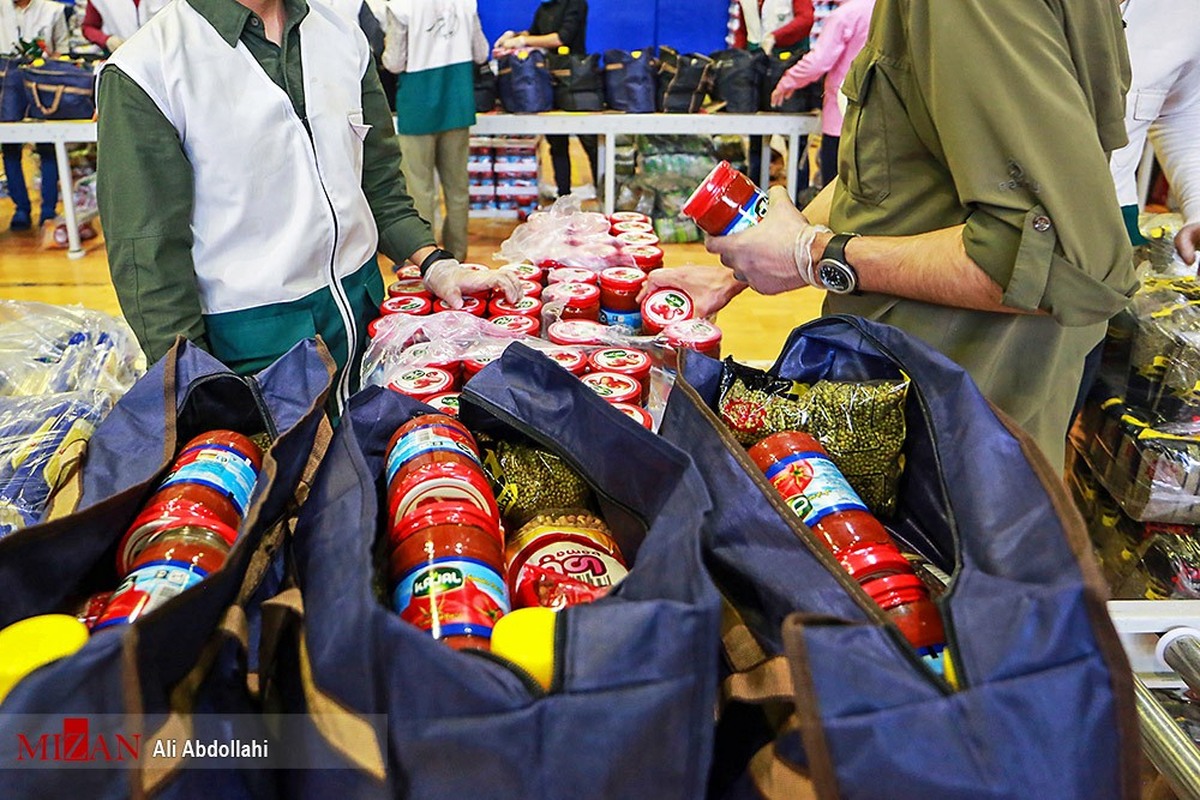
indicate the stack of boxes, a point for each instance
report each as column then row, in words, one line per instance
column 503, row 175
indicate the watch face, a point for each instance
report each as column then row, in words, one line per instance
column 836, row 277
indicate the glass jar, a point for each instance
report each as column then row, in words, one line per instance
column 447, row 570
column 726, row 202
column 572, row 543
column 614, row 387
column 429, row 439
column 626, row 361
column 619, row 288
column 664, row 306
column 422, row 383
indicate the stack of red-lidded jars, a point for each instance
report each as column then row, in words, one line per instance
column 619, row 289
column 187, row 528
column 815, row 489
column 628, row 362
column 446, row 561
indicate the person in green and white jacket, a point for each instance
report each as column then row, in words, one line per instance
column 248, row 174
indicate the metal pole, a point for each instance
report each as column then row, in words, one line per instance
column 1166, row 745
column 1181, row 653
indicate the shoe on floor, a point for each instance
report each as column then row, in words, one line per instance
column 21, row 221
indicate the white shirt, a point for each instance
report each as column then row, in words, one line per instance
column 1164, row 98
column 45, row 19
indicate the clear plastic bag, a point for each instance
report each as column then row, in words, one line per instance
column 41, row 440
column 567, row 235
column 46, row 349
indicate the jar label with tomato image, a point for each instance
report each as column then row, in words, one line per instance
column 665, row 306
column 813, row 487
column 217, row 467
column 147, row 588
column 422, row 441
column 573, row 560
column 452, row 597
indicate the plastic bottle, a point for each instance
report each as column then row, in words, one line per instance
column 815, row 489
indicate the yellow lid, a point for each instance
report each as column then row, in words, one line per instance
column 526, row 638
column 785, row 55
column 35, row 642
column 563, row 50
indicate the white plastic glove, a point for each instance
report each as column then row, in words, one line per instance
column 113, row 42
column 449, row 281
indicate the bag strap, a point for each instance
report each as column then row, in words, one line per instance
column 344, row 730
column 35, row 91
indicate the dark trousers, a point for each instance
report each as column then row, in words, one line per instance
column 16, row 178
column 560, row 158
column 756, row 157
column 828, row 158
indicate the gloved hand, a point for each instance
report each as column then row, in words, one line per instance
column 788, row 85
column 450, row 281
column 711, row 288
column 774, row 255
column 1187, row 241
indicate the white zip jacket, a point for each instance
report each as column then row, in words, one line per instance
column 122, row 18
column 277, row 214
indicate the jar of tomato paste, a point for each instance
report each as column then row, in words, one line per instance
column 414, row 305
column 430, row 439
column 572, row 275
column 580, row 300
column 648, row 257
column 619, row 288
column 580, row 332
column 638, row 414
column 614, row 387
column 664, row 306
column 445, row 403
column 726, row 202
column 409, row 287
column 526, row 272
column 526, row 307
column 218, row 470
column 572, row 359
column 518, row 323
column 623, row 360
column 447, row 569
column 442, row 482
column 422, row 383
column 694, row 334
column 572, row 543
column 472, row 304
column 165, row 565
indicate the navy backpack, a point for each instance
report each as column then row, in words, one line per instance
column 630, row 81
column 822, row 696
column 630, row 709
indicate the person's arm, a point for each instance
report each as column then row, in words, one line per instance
column 402, row 232
column 92, row 26
column 395, row 43
column 795, row 31
column 1175, row 140
column 816, row 62
column 145, row 193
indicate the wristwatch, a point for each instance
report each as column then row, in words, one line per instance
column 433, row 258
column 833, row 271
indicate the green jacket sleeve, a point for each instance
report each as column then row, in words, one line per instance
column 144, row 188
column 401, row 230
column 1019, row 97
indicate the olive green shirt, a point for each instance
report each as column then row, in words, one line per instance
column 145, row 181
column 998, row 116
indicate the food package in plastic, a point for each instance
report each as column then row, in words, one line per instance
column 47, row 349
column 42, row 440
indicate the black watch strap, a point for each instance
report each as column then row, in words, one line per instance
column 836, row 248
column 433, row 258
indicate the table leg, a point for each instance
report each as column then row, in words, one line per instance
column 610, row 172
column 764, row 168
column 793, row 164
column 75, row 249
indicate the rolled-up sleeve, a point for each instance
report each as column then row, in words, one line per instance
column 1019, row 136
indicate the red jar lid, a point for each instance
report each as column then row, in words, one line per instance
column 526, row 307
column 573, row 295
column 425, row 355
column 409, row 287
column 622, row 278
column 442, row 482
column 638, row 414
column 529, row 289
column 445, row 403
column 518, row 323
column 572, row 360
column 471, row 305
column 444, row 513
column 613, row 386
column 627, row 216
column 526, row 272
column 896, row 590
column 637, row 239
column 409, row 271
column 422, row 383
column 711, row 191
column 648, row 257
column 476, row 267
column 576, row 332
column 665, row 306
column 697, row 334
column 373, row 326
column 633, row 226
column 877, row 559
column 572, row 275
column 624, row 360
column 474, row 365
column 414, row 305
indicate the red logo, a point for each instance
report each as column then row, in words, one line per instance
column 76, row 744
